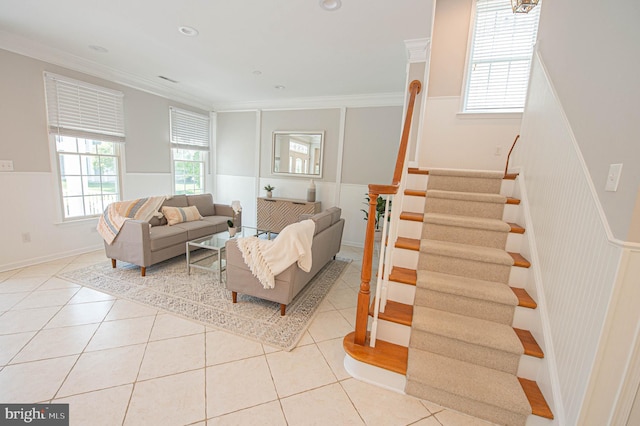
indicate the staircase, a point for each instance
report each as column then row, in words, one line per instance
column 447, row 332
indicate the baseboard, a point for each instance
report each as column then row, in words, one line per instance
column 37, row 260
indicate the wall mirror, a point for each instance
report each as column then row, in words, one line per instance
column 297, row 153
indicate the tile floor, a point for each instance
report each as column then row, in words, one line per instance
column 120, row 363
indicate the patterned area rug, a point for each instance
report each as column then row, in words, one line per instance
column 202, row 298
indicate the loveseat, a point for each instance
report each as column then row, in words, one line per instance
column 146, row 243
column 326, row 244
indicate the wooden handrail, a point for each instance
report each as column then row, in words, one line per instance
column 506, row 167
column 362, row 311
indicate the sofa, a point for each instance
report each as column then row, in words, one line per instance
column 326, row 244
column 147, row 243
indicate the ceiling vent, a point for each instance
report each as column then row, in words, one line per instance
column 168, row 79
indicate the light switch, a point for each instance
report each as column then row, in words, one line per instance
column 613, row 177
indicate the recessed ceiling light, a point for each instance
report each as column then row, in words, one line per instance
column 99, row 49
column 257, row 72
column 330, row 5
column 278, row 87
column 188, row 31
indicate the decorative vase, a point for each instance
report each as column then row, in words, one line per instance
column 232, row 232
column 269, row 194
column 311, row 192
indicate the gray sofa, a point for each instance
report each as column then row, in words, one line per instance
column 147, row 243
column 326, row 244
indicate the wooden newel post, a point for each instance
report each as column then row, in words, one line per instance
column 362, row 312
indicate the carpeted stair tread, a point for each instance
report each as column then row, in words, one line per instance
column 385, row 355
column 395, row 312
column 467, row 287
column 484, row 174
column 467, row 196
column 403, row 275
column 466, row 329
column 467, row 380
column 465, row 251
column 467, row 222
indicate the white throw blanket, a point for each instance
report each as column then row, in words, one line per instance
column 267, row 258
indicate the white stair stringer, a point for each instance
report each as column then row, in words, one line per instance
column 375, row 375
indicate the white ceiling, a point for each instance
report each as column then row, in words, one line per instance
column 356, row 51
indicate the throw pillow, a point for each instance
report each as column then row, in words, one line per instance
column 177, row 215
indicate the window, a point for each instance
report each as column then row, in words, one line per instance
column 500, row 57
column 189, row 149
column 86, row 124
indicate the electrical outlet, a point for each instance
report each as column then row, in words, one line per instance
column 26, row 237
column 6, row 165
column 498, row 151
column 613, row 177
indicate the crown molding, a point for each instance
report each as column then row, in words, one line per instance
column 417, row 49
column 319, row 102
column 41, row 52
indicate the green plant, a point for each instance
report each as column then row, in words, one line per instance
column 269, row 188
column 380, row 203
column 230, row 223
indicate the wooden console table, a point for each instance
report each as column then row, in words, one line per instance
column 276, row 213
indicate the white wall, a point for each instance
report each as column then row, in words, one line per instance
column 575, row 259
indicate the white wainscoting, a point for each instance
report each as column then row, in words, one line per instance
column 575, row 261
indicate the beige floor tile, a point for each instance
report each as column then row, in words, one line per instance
column 172, row 400
column 112, row 334
column 11, row 344
column 56, row 283
column 8, row 274
column 333, row 352
column 171, row 356
column 237, row 385
column 429, row 421
column 224, row 347
column 43, row 269
column 269, row 414
column 100, row 408
column 325, row 306
column 329, row 325
column 9, row 300
column 305, row 340
column 56, row 342
column 168, row 326
column 432, row 407
column 453, row 418
column 328, row 405
column 123, row 309
column 377, row 405
column 26, row 320
column 343, row 298
column 21, row 284
column 350, row 315
column 85, row 295
column 43, row 298
column 33, row 381
column 81, row 313
column 103, row 369
column 301, row 369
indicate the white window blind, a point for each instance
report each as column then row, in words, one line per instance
column 500, row 57
column 79, row 109
column 189, row 130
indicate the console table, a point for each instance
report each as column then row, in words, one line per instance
column 276, row 213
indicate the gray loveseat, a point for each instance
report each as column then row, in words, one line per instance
column 147, row 243
column 326, row 244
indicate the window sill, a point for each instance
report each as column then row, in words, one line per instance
column 492, row 115
column 72, row 222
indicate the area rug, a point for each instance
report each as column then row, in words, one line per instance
column 202, row 298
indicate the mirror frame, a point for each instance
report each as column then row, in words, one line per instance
column 295, row 132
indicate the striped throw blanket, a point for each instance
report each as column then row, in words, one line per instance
column 117, row 213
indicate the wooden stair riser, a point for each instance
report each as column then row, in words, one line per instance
column 481, row 309
column 471, row 236
column 464, row 184
column 475, row 408
column 465, row 268
column 465, row 351
column 464, row 208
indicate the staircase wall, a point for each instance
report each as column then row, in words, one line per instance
column 576, row 260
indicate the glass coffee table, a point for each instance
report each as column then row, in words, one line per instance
column 215, row 244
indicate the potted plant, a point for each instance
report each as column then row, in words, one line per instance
column 380, row 203
column 269, row 188
column 232, row 228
